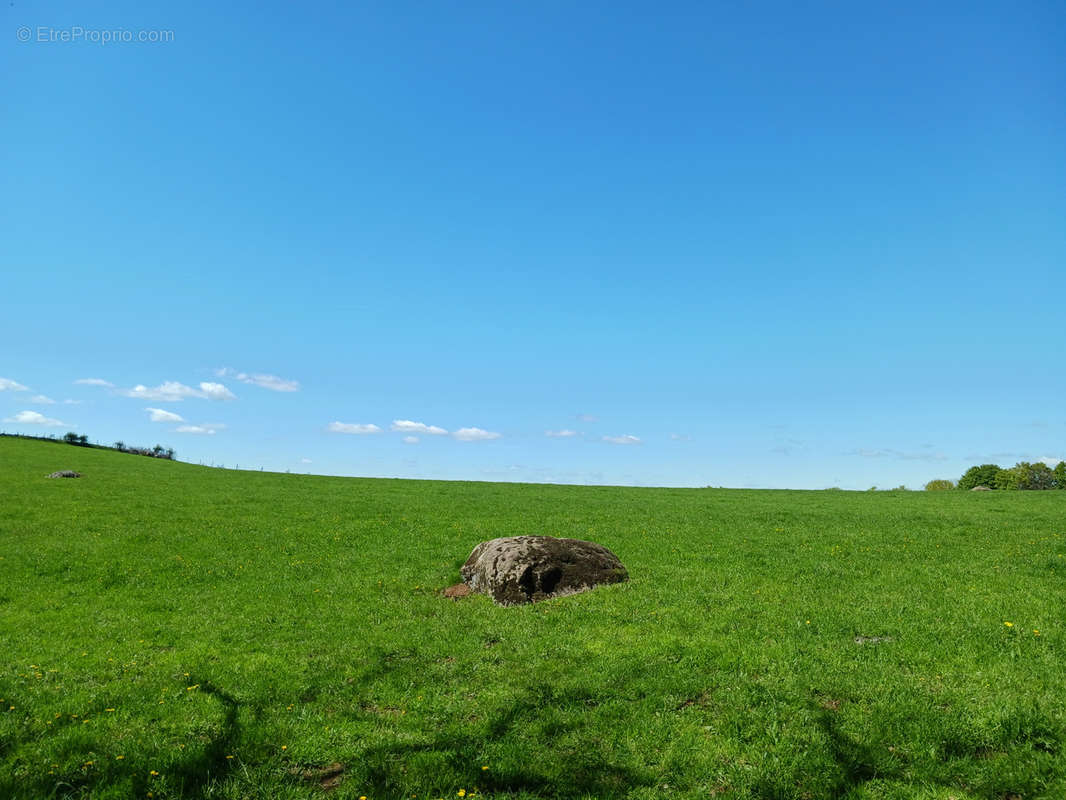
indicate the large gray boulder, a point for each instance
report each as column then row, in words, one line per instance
column 525, row 569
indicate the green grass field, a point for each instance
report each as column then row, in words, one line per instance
column 174, row 631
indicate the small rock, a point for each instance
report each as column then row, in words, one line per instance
column 65, row 473
column 872, row 639
column 981, row 489
column 514, row 570
column 457, row 591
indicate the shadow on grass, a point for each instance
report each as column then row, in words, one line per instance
column 560, row 769
column 856, row 761
column 208, row 765
column 192, row 776
column 1027, row 743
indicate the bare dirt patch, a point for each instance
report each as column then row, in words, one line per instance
column 328, row 777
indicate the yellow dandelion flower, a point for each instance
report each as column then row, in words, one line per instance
column 1009, row 624
column 461, row 793
column 119, row 758
column 153, row 772
column 229, row 756
column 284, row 747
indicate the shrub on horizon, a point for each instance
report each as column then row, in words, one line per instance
column 939, row 485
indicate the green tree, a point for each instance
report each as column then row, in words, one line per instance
column 1024, row 475
column 984, row 475
column 1007, row 478
column 70, row 437
column 1037, row 476
column 1060, row 475
column 939, row 485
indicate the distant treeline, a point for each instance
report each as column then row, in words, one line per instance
column 1022, row 475
column 81, row 440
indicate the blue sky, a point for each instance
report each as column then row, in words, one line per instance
column 760, row 244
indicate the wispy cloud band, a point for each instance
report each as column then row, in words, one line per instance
column 260, row 379
column 355, row 428
column 475, row 435
column 624, row 439
column 409, row 426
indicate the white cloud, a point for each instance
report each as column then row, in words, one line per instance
column 6, row 384
column 173, row 391
column 625, row 439
column 272, row 382
column 42, row 400
column 407, row 426
column 475, row 435
column 587, row 418
column 95, row 382
column 33, row 418
column 207, row 429
column 1051, row 462
column 410, row 440
column 680, row 437
column 69, row 402
column 563, row 434
column 159, row 415
column 216, row 391
column 306, row 461
column 168, row 392
column 351, row 427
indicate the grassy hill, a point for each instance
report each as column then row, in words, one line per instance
column 170, row 631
